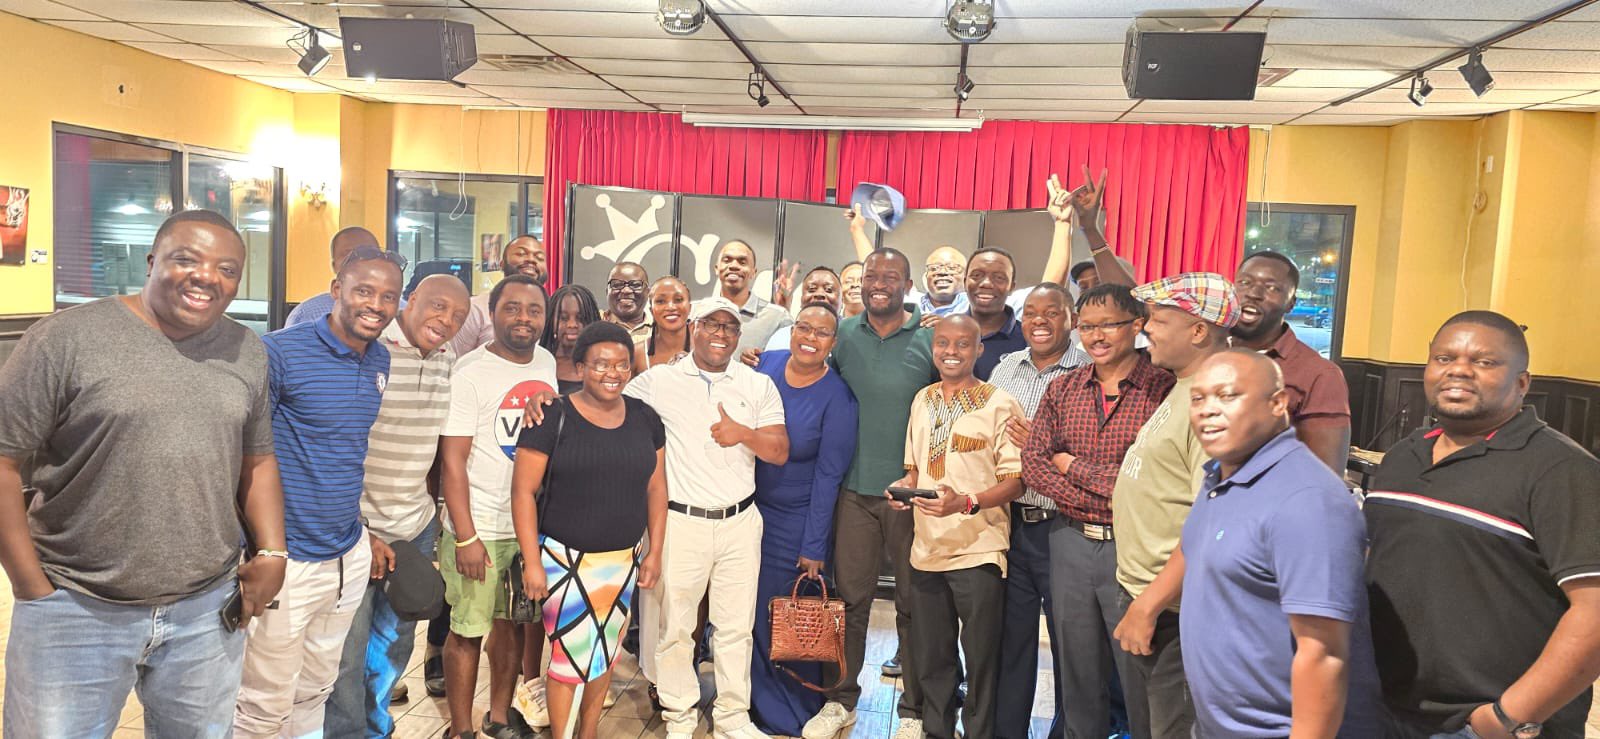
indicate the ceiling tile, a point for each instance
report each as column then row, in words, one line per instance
column 1302, row 94
column 1080, row 116
column 899, row 8
column 1324, row 119
column 871, row 102
column 396, row 87
column 1497, row 96
column 540, row 23
column 823, row 73
column 989, row 89
column 1205, row 107
column 978, row 103
column 113, row 31
column 1031, row 55
column 271, row 54
column 1405, row 108
column 1392, row 32
column 1313, row 56
column 1348, row 78
column 508, row 45
column 1539, row 60
column 327, row 16
column 1101, row 76
column 1592, row 98
column 851, row 54
column 840, row 89
column 484, row 74
column 293, row 84
column 840, row 29
column 231, row 35
column 678, row 84
column 454, row 102
column 675, row 99
column 195, row 12
column 1220, row 119
column 566, row 95
column 45, row 10
column 721, row 70
column 665, row 48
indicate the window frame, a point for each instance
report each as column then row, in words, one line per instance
column 524, row 184
column 179, row 191
column 1342, row 288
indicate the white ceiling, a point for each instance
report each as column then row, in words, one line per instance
column 1046, row 60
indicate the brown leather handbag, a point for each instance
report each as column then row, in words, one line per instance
column 808, row 628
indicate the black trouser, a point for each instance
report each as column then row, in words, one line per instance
column 1084, row 593
column 1027, row 589
column 1159, row 706
column 959, row 604
column 865, row 528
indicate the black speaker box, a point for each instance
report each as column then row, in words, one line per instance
column 1192, row 65
column 407, row 49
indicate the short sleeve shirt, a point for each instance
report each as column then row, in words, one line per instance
column 405, row 438
column 962, row 442
column 325, row 398
column 488, row 394
column 701, row 472
column 598, row 496
column 997, row 344
column 1317, row 388
column 1155, row 488
column 476, row 330
column 136, row 443
column 1468, row 557
column 1279, row 538
column 884, row 373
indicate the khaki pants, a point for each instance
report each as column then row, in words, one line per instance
column 292, row 652
column 724, row 557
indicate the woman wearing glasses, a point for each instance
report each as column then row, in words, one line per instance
column 796, row 501
column 605, row 488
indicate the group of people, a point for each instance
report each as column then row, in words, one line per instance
column 243, row 530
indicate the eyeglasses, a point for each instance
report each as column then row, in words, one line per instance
column 601, row 368
column 717, row 327
column 815, row 332
column 1084, row 329
column 620, row 285
column 364, row 253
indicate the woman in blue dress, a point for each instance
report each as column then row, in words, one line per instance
column 796, row 501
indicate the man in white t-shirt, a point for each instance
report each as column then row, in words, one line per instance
column 489, row 389
column 720, row 417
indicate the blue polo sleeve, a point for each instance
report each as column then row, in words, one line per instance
column 1317, row 542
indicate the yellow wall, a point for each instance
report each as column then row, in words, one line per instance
column 66, row 77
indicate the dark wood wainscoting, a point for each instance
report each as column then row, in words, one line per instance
column 1387, row 402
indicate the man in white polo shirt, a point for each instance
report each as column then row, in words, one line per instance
column 720, row 417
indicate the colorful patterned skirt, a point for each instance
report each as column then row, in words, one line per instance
column 587, row 611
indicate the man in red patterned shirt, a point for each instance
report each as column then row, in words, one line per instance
column 1086, row 421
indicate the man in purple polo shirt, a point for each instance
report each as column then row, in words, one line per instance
column 1270, row 568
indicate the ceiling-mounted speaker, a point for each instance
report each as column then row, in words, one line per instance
column 407, row 48
column 1192, row 65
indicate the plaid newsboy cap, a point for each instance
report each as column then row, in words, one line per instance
column 1207, row 296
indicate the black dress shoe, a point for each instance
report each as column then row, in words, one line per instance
column 892, row 668
column 433, row 675
column 497, row 730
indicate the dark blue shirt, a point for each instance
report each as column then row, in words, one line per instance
column 998, row 344
column 325, row 399
column 797, row 498
column 1280, row 537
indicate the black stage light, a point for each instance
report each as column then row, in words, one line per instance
column 964, row 86
column 1420, row 90
column 315, row 57
column 1477, row 75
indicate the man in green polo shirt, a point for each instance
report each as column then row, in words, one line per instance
column 885, row 358
column 1190, row 315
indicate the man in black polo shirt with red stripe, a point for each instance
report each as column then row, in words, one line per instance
column 1484, row 570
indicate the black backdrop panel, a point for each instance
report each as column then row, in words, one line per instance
column 610, row 225
column 707, row 222
column 1024, row 233
column 819, row 236
column 922, row 231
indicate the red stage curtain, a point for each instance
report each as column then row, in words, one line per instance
column 1176, row 194
column 658, row 151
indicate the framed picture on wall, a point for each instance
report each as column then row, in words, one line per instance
column 13, row 224
column 489, row 246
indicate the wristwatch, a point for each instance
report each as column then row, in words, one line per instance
column 1518, row 729
column 972, row 505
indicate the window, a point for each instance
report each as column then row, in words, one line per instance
column 1317, row 239
column 112, row 193
column 449, row 223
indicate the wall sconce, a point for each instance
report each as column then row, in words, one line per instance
column 317, row 195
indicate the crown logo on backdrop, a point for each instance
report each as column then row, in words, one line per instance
column 633, row 238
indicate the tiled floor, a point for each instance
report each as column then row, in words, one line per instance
column 631, row 718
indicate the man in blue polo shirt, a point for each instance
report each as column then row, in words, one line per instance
column 1270, row 567
column 326, row 381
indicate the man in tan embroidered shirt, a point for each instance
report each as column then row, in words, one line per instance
column 956, row 446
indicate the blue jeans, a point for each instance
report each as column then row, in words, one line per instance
column 72, row 659
column 374, row 659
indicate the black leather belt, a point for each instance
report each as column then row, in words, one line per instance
column 1091, row 531
column 714, row 514
column 1034, row 514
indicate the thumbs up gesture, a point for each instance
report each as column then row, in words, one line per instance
column 728, row 432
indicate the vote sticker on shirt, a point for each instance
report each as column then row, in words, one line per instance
column 508, row 420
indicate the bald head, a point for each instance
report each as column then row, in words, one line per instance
column 943, row 274
column 434, row 315
column 442, row 284
column 1237, row 405
column 348, row 240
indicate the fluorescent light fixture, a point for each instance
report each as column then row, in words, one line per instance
column 845, row 123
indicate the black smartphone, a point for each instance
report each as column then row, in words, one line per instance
column 904, row 495
column 233, row 611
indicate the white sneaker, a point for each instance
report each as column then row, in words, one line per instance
column 529, row 701
column 748, row 731
column 910, row 728
column 829, row 721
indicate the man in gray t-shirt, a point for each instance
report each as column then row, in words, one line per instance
column 146, row 424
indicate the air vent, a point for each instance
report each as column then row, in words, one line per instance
column 530, row 63
column 1270, row 75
